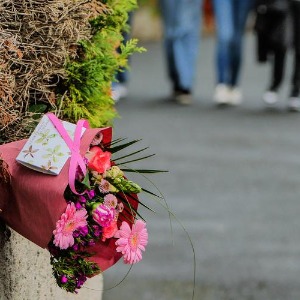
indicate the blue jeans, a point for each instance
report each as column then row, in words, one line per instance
column 231, row 16
column 122, row 75
column 181, row 19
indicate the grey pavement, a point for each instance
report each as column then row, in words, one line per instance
column 233, row 182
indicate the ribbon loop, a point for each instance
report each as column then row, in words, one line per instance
column 74, row 146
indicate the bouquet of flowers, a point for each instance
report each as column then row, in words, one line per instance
column 86, row 216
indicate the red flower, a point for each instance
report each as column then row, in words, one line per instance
column 109, row 232
column 99, row 161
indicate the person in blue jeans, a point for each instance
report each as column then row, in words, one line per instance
column 119, row 86
column 181, row 20
column 231, row 17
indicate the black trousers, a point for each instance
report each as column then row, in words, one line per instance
column 295, row 12
column 272, row 44
column 278, row 68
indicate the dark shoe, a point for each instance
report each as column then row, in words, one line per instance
column 183, row 96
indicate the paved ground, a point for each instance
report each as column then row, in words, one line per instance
column 233, row 182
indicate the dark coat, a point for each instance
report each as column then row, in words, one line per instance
column 271, row 27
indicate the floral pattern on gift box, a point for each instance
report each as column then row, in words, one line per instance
column 45, row 137
column 30, row 152
column 54, row 153
column 49, row 166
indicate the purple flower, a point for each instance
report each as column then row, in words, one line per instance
column 78, row 205
column 82, row 199
column 75, row 247
column 91, row 194
column 80, row 281
column 63, row 279
column 81, row 231
column 97, row 230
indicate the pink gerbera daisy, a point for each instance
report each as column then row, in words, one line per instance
column 71, row 220
column 131, row 242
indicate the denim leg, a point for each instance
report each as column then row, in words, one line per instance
column 224, row 21
column 241, row 9
column 122, row 75
column 181, row 20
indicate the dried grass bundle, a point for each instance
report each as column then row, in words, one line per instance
column 36, row 37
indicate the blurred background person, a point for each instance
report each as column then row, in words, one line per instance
column 119, row 86
column 230, row 17
column 294, row 99
column 271, row 27
column 181, row 20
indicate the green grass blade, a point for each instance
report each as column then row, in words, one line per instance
column 137, row 159
column 150, row 193
column 143, row 171
column 131, row 154
column 120, row 147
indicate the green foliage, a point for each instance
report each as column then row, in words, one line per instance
column 89, row 78
column 73, row 268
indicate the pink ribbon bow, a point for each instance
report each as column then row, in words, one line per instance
column 74, row 146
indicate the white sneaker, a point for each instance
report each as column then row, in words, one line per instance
column 222, row 94
column 294, row 104
column 118, row 91
column 270, row 98
column 235, row 96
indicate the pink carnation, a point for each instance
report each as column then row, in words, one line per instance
column 110, row 200
column 120, row 207
column 104, row 186
column 71, row 220
column 104, row 215
column 131, row 242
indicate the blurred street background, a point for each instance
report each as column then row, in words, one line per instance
column 233, row 183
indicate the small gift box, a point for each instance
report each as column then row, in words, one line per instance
column 46, row 151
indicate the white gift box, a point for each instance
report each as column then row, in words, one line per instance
column 45, row 150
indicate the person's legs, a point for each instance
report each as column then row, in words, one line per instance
column 186, row 46
column 119, row 86
column 296, row 30
column 294, row 100
column 168, row 10
column 224, row 26
column 122, row 75
column 270, row 97
column 241, row 10
column 278, row 68
column 182, row 33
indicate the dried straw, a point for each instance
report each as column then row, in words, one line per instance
column 36, row 37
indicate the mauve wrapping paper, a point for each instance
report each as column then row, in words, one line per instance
column 33, row 202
